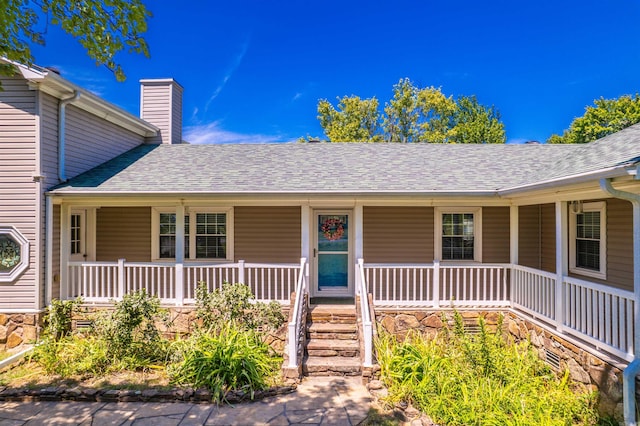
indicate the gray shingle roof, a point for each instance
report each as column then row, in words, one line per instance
column 349, row 168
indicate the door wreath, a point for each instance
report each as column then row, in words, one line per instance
column 333, row 228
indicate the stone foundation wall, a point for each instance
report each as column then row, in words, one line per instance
column 17, row 330
column 601, row 373
column 183, row 322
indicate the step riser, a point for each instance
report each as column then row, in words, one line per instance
column 332, row 319
column 336, row 336
column 330, row 352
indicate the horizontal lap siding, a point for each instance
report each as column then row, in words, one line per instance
column 267, row 234
column 398, row 234
column 155, row 102
column 619, row 246
column 123, row 233
column 91, row 141
column 495, row 235
column 620, row 243
column 18, row 192
column 536, row 237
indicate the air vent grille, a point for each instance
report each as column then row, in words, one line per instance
column 552, row 359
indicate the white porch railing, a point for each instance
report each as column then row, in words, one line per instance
column 296, row 326
column 599, row 314
column 478, row 285
column 533, row 291
column 99, row 282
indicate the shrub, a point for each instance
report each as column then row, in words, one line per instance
column 463, row 379
column 234, row 303
column 231, row 359
column 59, row 317
column 130, row 330
column 121, row 339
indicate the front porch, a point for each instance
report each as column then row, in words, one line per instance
column 599, row 316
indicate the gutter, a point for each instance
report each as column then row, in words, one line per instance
column 632, row 370
column 62, row 119
column 610, row 172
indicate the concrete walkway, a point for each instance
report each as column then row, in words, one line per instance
column 317, row 401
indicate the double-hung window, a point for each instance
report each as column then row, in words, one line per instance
column 458, row 234
column 588, row 239
column 206, row 234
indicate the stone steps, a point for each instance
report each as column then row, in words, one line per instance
column 332, row 346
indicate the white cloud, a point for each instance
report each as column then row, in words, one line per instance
column 297, row 96
column 237, row 60
column 213, row 133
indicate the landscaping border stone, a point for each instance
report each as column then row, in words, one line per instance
column 80, row 393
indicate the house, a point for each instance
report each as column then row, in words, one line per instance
column 95, row 202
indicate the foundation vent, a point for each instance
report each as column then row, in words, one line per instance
column 472, row 328
column 552, row 359
column 83, row 324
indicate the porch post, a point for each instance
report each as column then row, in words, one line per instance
column 179, row 270
column 562, row 245
column 514, row 240
column 358, row 220
column 64, row 251
column 436, row 283
column 305, row 239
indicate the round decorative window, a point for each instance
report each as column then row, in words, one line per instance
column 14, row 253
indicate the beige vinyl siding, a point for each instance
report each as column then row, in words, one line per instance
column 90, row 141
column 55, row 255
column 18, row 106
column 123, row 233
column 267, row 234
column 398, row 234
column 495, row 235
column 619, row 245
column 537, row 237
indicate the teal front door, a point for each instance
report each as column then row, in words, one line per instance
column 333, row 253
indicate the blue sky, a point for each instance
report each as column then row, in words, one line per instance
column 253, row 71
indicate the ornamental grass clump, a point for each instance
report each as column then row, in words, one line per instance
column 458, row 378
column 230, row 359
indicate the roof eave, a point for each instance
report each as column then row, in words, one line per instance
column 260, row 194
column 611, row 172
column 55, row 85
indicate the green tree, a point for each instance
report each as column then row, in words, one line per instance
column 606, row 116
column 413, row 114
column 103, row 27
column 475, row 123
column 355, row 119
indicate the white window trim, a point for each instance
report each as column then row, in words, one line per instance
column 191, row 212
column 16, row 236
column 600, row 206
column 477, row 232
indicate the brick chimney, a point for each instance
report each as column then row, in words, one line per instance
column 161, row 105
